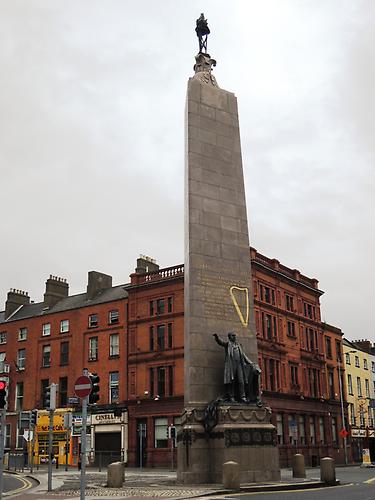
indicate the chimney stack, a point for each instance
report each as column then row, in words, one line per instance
column 15, row 299
column 146, row 264
column 56, row 289
column 97, row 282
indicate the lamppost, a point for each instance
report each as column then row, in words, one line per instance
column 344, row 431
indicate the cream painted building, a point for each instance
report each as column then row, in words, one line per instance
column 360, row 394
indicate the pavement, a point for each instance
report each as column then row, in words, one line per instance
column 140, row 483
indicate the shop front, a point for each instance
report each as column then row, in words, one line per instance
column 109, row 437
column 60, row 438
column 358, row 444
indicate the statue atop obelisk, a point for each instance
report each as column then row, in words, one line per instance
column 218, row 289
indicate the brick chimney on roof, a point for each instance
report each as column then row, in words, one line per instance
column 56, row 289
column 15, row 299
column 96, row 283
column 146, row 264
column 364, row 345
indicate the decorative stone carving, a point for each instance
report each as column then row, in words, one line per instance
column 203, row 69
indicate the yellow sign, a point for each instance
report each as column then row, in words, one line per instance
column 236, row 290
column 43, row 423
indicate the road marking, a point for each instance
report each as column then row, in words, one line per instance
column 26, row 485
column 370, row 480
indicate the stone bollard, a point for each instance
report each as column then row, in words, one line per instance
column 327, row 470
column 115, row 475
column 231, row 476
column 298, row 465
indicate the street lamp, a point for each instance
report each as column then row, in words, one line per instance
column 342, row 408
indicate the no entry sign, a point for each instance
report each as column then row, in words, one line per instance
column 82, row 386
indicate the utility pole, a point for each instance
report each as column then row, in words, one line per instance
column 83, row 442
column 50, row 400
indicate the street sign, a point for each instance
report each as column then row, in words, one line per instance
column 344, row 433
column 82, row 386
column 28, row 435
column 73, row 401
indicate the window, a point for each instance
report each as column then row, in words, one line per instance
column 44, row 384
column 64, row 326
column 365, row 365
column 3, row 337
column 63, row 391
column 312, row 431
column 22, row 334
column 313, row 378
column 352, row 413
column 292, row 427
column 294, row 374
column 19, row 438
column 64, row 353
column 7, row 436
column 93, row 348
column 21, row 359
column 267, row 294
column 331, row 384
column 291, row 329
column 46, row 329
column 170, row 380
column 309, row 310
column 93, row 320
column 19, row 396
column 152, row 312
column 152, row 383
column 161, row 381
column 170, row 304
column 362, row 421
column 113, row 317
column 152, row 346
column 311, row 340
column 322, row 430
column 347, row 358
column 301, row 429
column 280, row 428
column 114, row 345
column 46, row 355
column 328, row 348
column 289, row 303
column 160, row 432
column 160, row 306
column 367, row 388
column 170, row 336
column 350, row 385
column 373, row 366
column 160, row 334
column 357, row 361
column 359, row 387
column 269, row 326
column 338, row 350
column 113, row 387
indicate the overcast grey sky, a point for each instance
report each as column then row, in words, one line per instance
column 91, row 137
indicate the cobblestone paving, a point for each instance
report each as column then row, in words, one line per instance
column 135, row 492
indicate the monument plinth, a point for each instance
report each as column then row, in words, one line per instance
column 218, row 291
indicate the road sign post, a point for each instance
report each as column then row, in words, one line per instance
column 2, row 438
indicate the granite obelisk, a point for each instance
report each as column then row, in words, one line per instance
column 218, row 289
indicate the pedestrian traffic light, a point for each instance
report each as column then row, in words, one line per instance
column 33, row 418
column 3, row 394
column 94, row 395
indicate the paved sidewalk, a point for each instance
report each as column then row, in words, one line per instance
column 147, row 483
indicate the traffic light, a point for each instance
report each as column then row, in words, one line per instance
column 94, row 395
column 50, row 397
column 33, row 418
column 3, row 394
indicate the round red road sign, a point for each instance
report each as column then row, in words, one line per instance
column 344, row 433
column 82, row 386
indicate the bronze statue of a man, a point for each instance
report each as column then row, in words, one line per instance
column 241, row 375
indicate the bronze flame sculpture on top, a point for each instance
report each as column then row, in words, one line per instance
column 202, row 30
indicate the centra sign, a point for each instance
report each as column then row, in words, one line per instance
column 105, row 418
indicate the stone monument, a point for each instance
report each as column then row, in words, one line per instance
column 218, row 291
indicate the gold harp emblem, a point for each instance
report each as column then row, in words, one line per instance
column 240, row 297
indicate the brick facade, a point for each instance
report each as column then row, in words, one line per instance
column 298, row 355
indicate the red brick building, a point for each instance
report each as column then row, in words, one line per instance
column 132, row 336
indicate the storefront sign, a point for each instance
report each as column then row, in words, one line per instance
column 371, row 433
column 105, row 418
column 359, row 433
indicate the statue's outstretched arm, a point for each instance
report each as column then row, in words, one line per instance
column 218, row 340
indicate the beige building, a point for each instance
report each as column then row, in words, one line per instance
column 359, row 368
